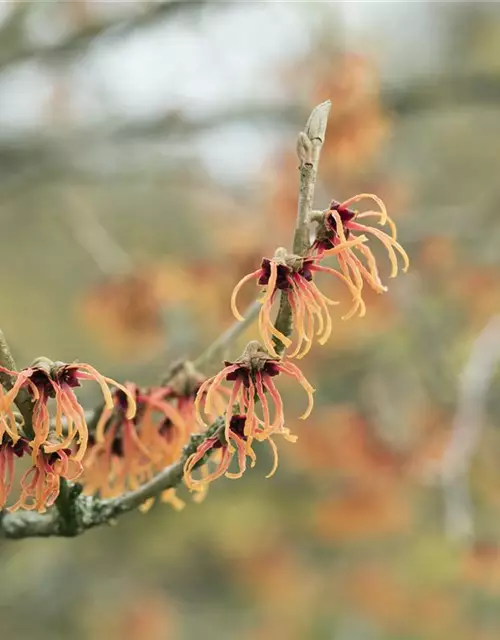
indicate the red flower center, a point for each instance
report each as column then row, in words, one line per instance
column 245, row 373
column 346, row 215
column 284, row 273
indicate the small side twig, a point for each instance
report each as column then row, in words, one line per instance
column 228, row 337
column 88, row 231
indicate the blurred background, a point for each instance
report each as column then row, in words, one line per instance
column 147, row 162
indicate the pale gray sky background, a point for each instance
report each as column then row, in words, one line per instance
column 198, row 66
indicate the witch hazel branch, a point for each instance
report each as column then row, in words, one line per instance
column 144, row 441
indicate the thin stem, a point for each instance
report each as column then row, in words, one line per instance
column 90, row 234
column 309, row 145
column 228, row 337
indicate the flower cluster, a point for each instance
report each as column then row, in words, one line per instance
column 293, row 276
column 340, row 224
column 138, row 432
column 125, row 452
column 57, row 443
column 340, row 233
column 252, row 377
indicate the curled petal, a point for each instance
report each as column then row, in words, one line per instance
column 229, row 413
column 8, row 422
column 6, row 474
column 249, row 410
column 300, row 312
column 198, row 399
column 279, row 417
column 41, row 425
column 242, row 453
column 339, row 226
column 360, row 273
column 267, row 328
column 236, row 290
column 389, row 221
column 193, row 460
column 368, row 196
column 342, row 246
column 389, row 243
column 271, row 285
column 170, row 497
column 295, row 372
column 215, row 384
column 87, row 372
column 274, row 449
column 221, row 469
column 354, row 288
column 263, row 401
column 101, row 424
column 372, row 264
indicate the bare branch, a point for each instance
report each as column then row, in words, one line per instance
column 79, row 513
column 169, row 478
column 88, row 231
column 76, row 513
column 24, row 524
column 80, row 39
column 224, row 341
column 446, row 91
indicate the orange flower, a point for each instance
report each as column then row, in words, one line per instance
column 253, row 375
column 293, row 275
column 224, row 443
column 339, row 224
column 117, row 459
column 180, row 387
column 127, row 452
column 40, row 484
column 46, row 379
column 8, row 450
column 163, row 430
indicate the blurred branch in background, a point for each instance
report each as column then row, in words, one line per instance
column 220, row 346
column 88, row 231
column 466, row 429
column 16, row 48
column 443, row 91
column 69, row 157
column 60, row 155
